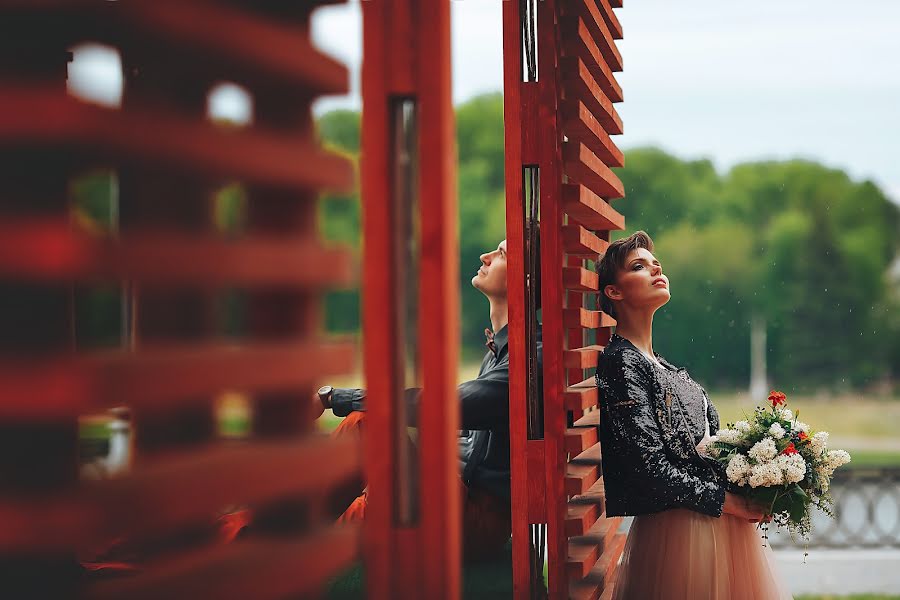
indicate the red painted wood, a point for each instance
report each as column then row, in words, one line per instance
column 160, row 377
column 584, row 167
column 586, row 12
column 584, row 357
column 439, row 315
column 396, row 35
column 249, row 569
column 519, row 102
column 50, row 250
column 159, row 138
column 578, row 62
column 592, row 212
column 580, row 125
column 380, row 545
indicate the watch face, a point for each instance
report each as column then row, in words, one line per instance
column 325, row 390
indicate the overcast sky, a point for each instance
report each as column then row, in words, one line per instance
column 730, row 81
column 721, row 79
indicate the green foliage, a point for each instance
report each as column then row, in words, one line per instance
column 802, row 245
column 797, row 243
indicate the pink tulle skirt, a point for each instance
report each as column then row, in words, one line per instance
column 682, row 554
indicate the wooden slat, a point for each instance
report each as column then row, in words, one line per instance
column 594, row 495
column 588, row 319
column 586, row 168
column 582, row 243
column 582, row 358
column 601, row 572
column 590, row 456
column 582, row 395
column 46, row 117
column 583, row 90
column 173, row 492
column 599, row 34
column 581, row 46
column 615, row 3
column 250, row 569
column 588, row 419
column 599, row 533
column 157, row 378
column 606, row 13
column 237, row 44
column 581, row 517
column 580, row 279
column 170, row 492
column 581, row 560
column 607, row 548
column 592, row 212
column 580, row 85
column 580, row 478
column 579, row 439
column 232, row 36
column 580, row 124
column 585, row 591
column 51, row 250
column 596, row 13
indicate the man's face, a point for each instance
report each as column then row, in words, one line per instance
column 491, row 277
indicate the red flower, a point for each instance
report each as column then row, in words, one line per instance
column 790, row 449
column 776, row 398
column 802, row 436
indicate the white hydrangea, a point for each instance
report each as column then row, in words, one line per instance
column 776, row 431
column 787, row 414
column 835, row 458
column 792, row 466
column 737, row 469
column 729, row 436
column 742, row 426
column 763, row 450
column 818, row 442
column 766, row 474
column 800, row 426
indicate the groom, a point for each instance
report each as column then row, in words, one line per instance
column 484, row 415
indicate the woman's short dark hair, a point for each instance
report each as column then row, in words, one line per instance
column 614, row 259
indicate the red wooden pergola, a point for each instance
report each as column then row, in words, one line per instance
column 174, row 267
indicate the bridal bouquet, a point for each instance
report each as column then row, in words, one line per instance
column 777, row 461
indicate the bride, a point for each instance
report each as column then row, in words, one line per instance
column 691, row 538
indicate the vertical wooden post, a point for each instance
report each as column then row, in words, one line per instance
column 406, row 75
column 558, row 121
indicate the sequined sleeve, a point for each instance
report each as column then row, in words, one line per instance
column 634, row 434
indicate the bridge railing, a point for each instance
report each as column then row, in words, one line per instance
column 867, row 513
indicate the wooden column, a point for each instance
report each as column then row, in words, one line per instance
column 558, row 118
column 412, row 531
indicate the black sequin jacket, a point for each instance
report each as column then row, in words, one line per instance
column 650, row 460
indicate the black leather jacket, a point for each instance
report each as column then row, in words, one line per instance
column 484, row 417
column 650, row 461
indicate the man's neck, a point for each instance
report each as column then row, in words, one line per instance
column 499, row 314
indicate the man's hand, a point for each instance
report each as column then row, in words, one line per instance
column 316, row 408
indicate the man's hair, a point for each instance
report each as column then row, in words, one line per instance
column 614, row 259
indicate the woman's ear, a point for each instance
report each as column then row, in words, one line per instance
column 611, row 292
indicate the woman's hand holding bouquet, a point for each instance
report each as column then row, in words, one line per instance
column 775, row 461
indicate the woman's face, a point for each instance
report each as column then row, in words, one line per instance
column 641, row 283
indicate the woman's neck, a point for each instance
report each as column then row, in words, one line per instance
column 641, row 337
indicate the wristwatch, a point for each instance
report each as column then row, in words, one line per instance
column 325, row 392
